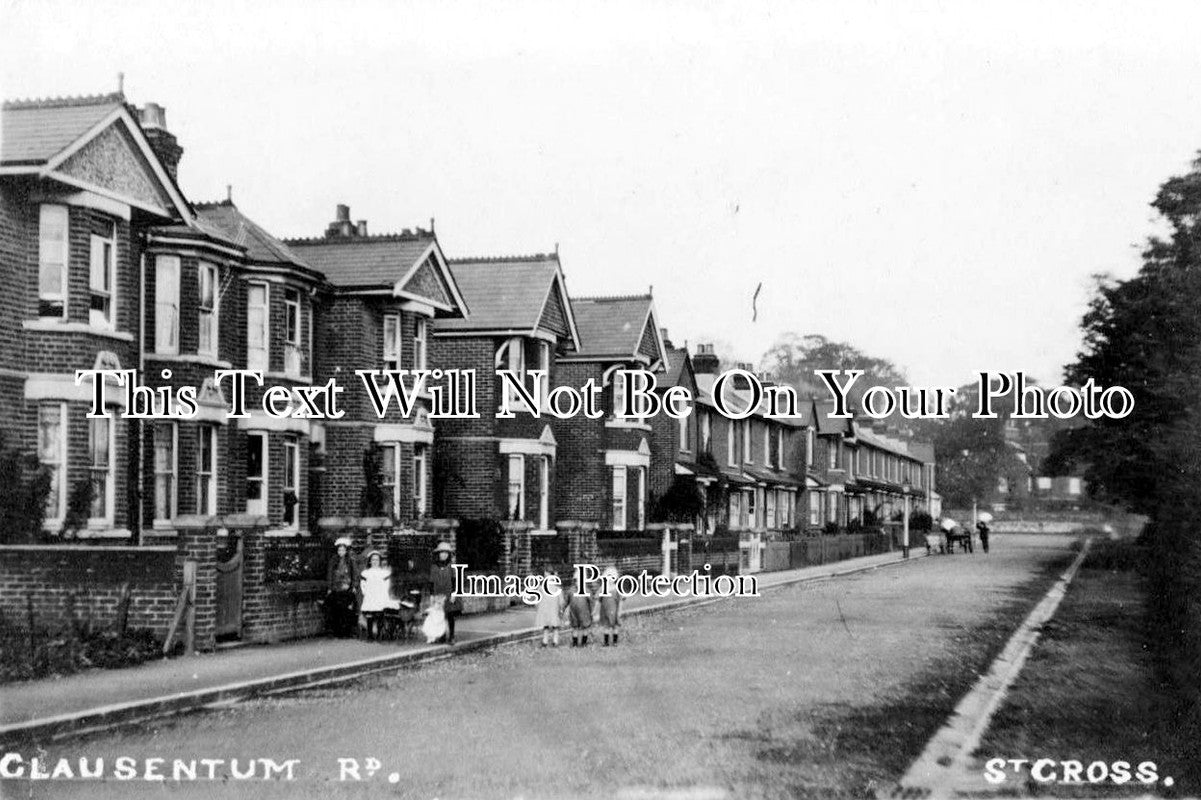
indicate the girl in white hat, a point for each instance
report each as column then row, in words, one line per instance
column 550, row 607
column 376, row 590
column 610, row 606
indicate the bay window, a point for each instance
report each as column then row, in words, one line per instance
column 258, row 326
column 291, row 481
column 100, row 468
column 165, row 468
column 292, row 355
column 420, row 482
column 102, row 278
column 516, row 486
column 619, row 498
column 52, row 261
column 209, row 296
column 256, row 474
column 391, row 342
column 206, row 469
column 52, row 454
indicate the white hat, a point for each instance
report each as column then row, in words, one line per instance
column 444, row 547
column 610, row 573
column 984, row 517
column 949, row 524
column 343, row 541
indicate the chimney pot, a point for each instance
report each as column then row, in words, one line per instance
column 361, row 227
column 343, row 213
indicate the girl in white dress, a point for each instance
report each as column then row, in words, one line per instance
column 549, row 609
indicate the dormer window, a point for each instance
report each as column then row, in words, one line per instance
column 102, row 278
column 52, row 261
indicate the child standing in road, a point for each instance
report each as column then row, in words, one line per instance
column 550, row 607
column 580, row 606
column 610, row 606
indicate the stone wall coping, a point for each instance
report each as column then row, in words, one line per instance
column 76, row 548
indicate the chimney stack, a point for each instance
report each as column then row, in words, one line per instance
column 342, row 227
column 666, row 339
column 705, row 361
column 153, row 118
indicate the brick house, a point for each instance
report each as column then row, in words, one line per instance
column 519, row 318
column 383, row 295
column 605, row 463
column 84, row 182
column 759, row 462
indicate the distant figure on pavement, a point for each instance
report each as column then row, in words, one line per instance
column 982, row 528
column 442, row 587
column 342, row 579
column 610, row 607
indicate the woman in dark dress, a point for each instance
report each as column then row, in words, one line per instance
column 442, row 584
column 342, row 578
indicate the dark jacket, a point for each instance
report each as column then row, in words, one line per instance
column 352, row 572
column 442, row 581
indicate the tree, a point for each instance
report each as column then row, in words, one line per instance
column 793, row 359
column 972, row 454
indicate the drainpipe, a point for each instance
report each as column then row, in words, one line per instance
column 138, row 507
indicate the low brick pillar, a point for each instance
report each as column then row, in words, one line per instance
column 581, row 541
column 252, row 530
column 330, row 528
column 446, row 529
column 662, row 531
column 197, row 541
column 515, row 552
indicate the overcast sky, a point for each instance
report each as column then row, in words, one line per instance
column 931, row 182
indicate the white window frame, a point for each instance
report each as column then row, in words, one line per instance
column 291, row 445
column 832, row 454
column 208, row 333
column 420, row 479
column 735, row 512
column 166, row 304
column 58, row 467
column 259, row 506
column 102, row 279
column 747, row 440
column 391, row 342
column 258, row 357
column 293, row 308
column 706, row 431
column 108, row 471
column 53, row 253
column 420, row 340
column 767, row 462
column 510, row 355
column 815, row 508
column 684, row 433
column 170, row 474
column 809, row 448
column 641, row 498
column 544, row 493
column 206, row 433
column 770, row 508
column 619, row 488
column 779, row 448
column 731, row 443
column 390, row 469
column 516, row 494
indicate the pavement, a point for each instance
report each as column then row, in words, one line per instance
column 71, row 705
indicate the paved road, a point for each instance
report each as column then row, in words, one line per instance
column 706, row 702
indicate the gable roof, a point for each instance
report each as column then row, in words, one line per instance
column 43, row 138
column 261, row 246
column 828, row 424
column 386, row 262
column 616, row 328
column 679, row 369
column 510, row 295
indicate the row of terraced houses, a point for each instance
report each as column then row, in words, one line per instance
column 105, row 263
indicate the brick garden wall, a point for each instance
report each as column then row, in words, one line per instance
column 49, row 575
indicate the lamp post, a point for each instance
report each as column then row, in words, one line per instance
column 905, row 520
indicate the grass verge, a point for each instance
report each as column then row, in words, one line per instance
column 1090, row 691
column 858, row 751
